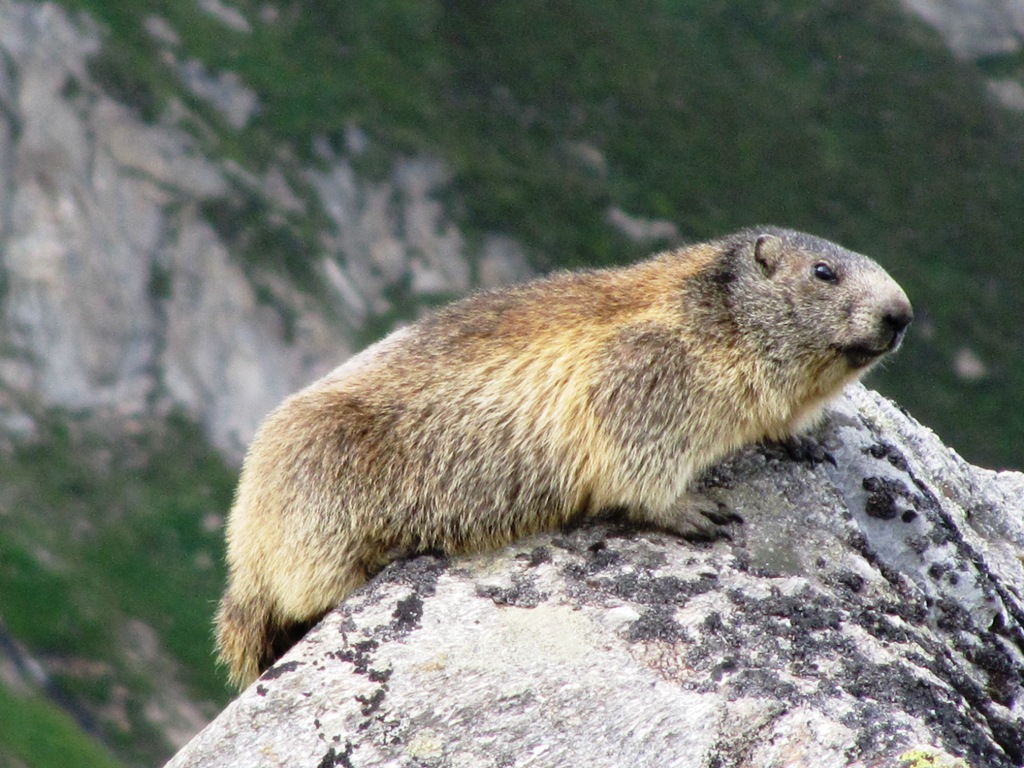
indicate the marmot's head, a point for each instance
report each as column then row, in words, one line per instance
column 798, row 297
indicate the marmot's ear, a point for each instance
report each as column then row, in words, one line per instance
column 768, row 252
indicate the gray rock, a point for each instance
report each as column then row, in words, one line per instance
column 227, row 14
column 224, row 90
column 391, row 233
column 974, row 28
column 118, row 295
column 868, row 612
column 1009, row 92
column 640, row 229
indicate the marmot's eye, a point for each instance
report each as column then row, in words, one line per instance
column 823, row 271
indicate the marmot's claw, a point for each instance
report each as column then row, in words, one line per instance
column 710, row 533
column 801, row 448
column 722, row 516
column 697, row 518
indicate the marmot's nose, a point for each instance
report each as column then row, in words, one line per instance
column 898, row 316
column 895, row 319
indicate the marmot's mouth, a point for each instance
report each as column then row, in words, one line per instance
column 860, row 355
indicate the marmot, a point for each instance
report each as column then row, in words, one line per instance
column 521, row 409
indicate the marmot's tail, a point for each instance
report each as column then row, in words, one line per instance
column 250, row 637
column 243, row 638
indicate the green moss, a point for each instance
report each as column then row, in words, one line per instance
column 1003, row 65
column 926, row 757
column 115, row 71
column 161, row 282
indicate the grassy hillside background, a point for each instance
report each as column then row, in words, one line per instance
column 107, row 536
column 842, row 117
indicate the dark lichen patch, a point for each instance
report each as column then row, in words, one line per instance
column 522, row 593
column 884, row 450
column 407, row 614
column 845, row 578
column 725, row 667
column 348, row 622
column 919, row 544
column 713, row 623
column 655, row 624
column 1010, row 736
column 370, row 704
column 878, row 450
column 641, row 586
column 952, row 617
column 580, row 539
column 762, row 683
column 597, row 557
column 797, row 448
column 600, row 557
column 358, row 655
column 946, row 531
column 535, row 557
column 812, row 627
column 939, row 535
column 421, row 572
column 801, row 612
column 937, row 570
column 334, row 758
column 880, row 625
column 953, row 717
column 280, row 669
column 564, row 542
column 876, row 733
column 884, row 495
column 1003, row 677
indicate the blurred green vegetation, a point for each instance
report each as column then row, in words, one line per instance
column 107, row 532
column 37, row 734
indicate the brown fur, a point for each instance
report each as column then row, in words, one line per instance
column 517, row 410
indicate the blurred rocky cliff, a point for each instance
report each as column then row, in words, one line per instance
column 133, row 289
column 120, row 294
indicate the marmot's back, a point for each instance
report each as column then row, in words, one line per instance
column 518, row 410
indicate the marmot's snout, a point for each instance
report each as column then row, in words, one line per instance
column 895, row 319
column 880, row 328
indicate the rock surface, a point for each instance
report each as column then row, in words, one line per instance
column 980, row 29
column 868, row 612
column 974, row 28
